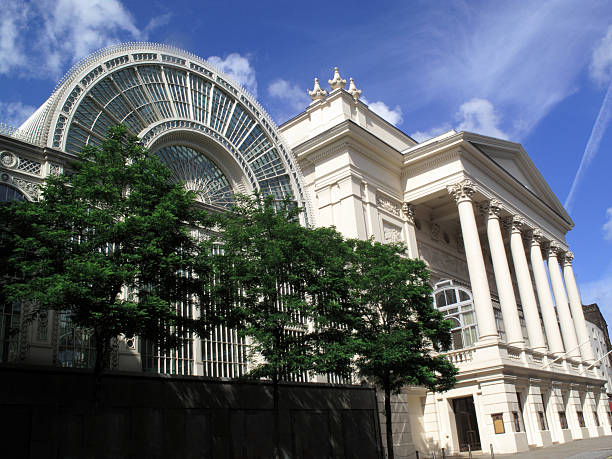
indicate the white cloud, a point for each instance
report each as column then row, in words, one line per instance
column 421, row 136
column 42, row 38
column 14, row 113
column 601, row 60
column 479, row 116
column 475, row 115
column 392, row 115
column 607, row 227
column 291, row 94
column 238, row 68
column 13, row 22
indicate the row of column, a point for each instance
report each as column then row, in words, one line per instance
column 569, row 306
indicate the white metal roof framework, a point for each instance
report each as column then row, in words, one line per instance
column 210, row 131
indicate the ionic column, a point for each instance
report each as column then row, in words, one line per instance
column 525, row 287
column 409, row 213
column 555, row 344
column 462, row 192
column 507, row 300
column 573, row 294
column 567, row 324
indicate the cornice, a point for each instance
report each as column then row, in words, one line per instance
column 351, row 137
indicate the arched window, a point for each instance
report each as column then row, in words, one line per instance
column 456, row 304
column 8, row 193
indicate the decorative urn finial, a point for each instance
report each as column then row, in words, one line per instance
column 337, row 82
column 317, row 93
column 353, row 91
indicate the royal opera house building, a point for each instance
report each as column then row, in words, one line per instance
column 474, row 208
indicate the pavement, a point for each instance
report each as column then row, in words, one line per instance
column 594, row 448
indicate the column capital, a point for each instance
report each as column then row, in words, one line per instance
column 555, row 249
column 537, row 237
column 409, row 212
column 515, row 223
column 461, row 191
column 568, row 258
column 491, row 208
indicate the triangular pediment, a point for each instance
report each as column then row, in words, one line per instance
column 513, row 159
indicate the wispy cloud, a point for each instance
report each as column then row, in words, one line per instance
column 599, row 291
column 601, row 72
column 523, row 57
column 601, row 62
column 607, row 227
column 41, row 39
column 239, row 68
column 392, row 115
column 14, row 113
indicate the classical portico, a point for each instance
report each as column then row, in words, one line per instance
column 478, row 212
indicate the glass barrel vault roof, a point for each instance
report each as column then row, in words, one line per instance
column 153, row 89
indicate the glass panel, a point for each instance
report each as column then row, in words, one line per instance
column 76, row 344
column 8, row 193
column 440, row 300
column 198, row 173
column 467, row 318
column 10, row 321
column 450, row 296
column 463, row 296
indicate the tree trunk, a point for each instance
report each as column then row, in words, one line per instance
column 276, row 418
column 388, row 426
column 99, row 365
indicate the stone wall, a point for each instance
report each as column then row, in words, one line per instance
column 51, row 413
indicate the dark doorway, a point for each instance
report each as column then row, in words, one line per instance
column 467, row 427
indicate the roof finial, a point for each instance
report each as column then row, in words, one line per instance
column 337, row 82
column 317, row 93
column 353, row 91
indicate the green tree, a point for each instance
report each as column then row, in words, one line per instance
column 283, row 286
column 398, row 332
column 114, row 224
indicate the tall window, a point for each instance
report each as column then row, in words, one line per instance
column 10, row 319
column 457, row 306
column 77, row 347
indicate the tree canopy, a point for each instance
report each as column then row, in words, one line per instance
column 398, row 332
column 109, row 242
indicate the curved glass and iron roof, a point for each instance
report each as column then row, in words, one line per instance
column 155, row 90
column 199, row 174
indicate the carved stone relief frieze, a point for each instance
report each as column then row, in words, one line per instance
column 441, row 260
column 391, row 233
column 389, row 205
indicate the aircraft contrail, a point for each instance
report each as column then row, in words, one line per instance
column 592, row 147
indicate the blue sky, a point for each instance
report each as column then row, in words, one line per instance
column 532, row 72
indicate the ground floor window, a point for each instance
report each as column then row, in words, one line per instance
column 76, row 345
column 580, row 417
column 224, row 353
column 563, row 419
column 542, row 420
column 10, row 321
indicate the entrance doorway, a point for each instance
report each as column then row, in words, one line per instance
column 467, row 427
